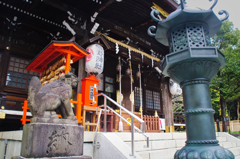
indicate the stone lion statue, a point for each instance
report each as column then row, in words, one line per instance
column 44, row 100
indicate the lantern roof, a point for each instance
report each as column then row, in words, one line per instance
column 91, row 78
column 186, row 14
column 52, row 51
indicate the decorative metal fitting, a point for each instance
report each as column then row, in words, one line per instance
column 202, row 142
column 199, row 111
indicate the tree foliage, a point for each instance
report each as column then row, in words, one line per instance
column 226, row 85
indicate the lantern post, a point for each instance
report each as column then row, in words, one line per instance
column 193, row 62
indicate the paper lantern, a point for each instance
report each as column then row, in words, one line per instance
column 174, row 88
column 94, row 62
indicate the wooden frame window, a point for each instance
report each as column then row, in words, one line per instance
column 17, row 76
column 137, row 102
column 153, row 100
column 109, row 84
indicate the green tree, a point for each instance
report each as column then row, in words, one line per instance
column 226, row 85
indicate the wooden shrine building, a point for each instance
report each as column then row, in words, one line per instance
column 120, row 26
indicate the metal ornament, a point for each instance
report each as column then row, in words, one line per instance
column 138, row 74
column 118, row 67
column 192, row 63
column 129, row 54
column 117, row 48
column 128, row 71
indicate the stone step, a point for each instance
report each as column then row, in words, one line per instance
column 152, row 136
column 228, row 144
column 164, row 144
column 235, row 150
column 221, row 139
column 125, row 136
column 168, row 153
column 157, row 145
column 157, row 154
column 237, row 157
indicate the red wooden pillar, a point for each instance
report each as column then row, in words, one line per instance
column 24, row 116
column 68, row 59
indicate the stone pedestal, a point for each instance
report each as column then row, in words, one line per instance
column 52, row 140
column 71, row 157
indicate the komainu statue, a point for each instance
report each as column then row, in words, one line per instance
column 44, row 100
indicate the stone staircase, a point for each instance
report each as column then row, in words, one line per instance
column 164, row 145
column 118, row 145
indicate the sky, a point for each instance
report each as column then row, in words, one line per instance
column 231, row 6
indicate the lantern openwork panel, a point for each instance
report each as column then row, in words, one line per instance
column 188, row 35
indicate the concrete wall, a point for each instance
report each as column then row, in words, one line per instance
column 13, row 147
column 112, row 146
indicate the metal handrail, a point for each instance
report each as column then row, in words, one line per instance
column 133, row 116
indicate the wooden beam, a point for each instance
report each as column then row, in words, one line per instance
column 75, row 59
column 53, row 57
column 64, row 7
column 105, row 5
column 49, row 54
column 46, row 29
column 73, row 45
column 172, row 3
column 143, row 24
column 68, row 52
column 127, row 33
column 100, row 37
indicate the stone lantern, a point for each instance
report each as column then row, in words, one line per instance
column 193, row 62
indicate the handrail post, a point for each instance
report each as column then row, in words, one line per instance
column 132, row 131
column 105, row 115
column 143, row 127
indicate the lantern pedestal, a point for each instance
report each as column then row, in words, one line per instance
column 203, row 152
column 192, row 63
column 194, row 73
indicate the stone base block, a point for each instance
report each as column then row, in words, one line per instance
column 51, row 140
column 54, row 120
column 74, row 157
column 204, row 151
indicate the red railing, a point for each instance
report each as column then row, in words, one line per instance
column 151, row 124
column 78, row 110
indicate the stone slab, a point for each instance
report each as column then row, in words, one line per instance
column 51, row 140
column 54, row 120
column 70, row 157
